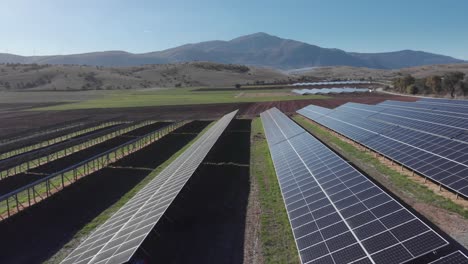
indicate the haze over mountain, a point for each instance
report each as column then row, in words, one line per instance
column 259, row 49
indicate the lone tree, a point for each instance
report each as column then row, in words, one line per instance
column 434, row 83
column 451, row 80
column 401, row 84
column 238, row 85
column 412, row 89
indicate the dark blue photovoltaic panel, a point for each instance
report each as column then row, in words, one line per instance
column 441, row 106
column 444, row 101
column 412, row 118
column 339, row 90
column 455, row 258
column 454, row 110
column 439, row 158
column 337, row 214
column 116, row 240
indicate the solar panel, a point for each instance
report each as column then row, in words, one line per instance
column 456, row 257
column 442, row 125
column 330, row 90
column 445, row 119
column 330, row 83
column 443, row 101
column 120, row 236
column 337, row 214
column 442, row 160
column 447, row 109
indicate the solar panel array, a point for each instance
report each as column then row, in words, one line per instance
column 445, row 101
column 456, row 257
column 119, row 237
column 337, row 214
column 441, row 124
column 330, row 83
column 453, row 109
column 432, row 144
column 330, row 90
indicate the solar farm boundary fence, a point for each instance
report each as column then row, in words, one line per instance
column 55, row 140
column 39, row 190
column 62, row 126
column 392, row 162
column 51, row 153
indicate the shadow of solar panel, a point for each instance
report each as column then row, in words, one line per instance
column 337, row 214
column 118, row 238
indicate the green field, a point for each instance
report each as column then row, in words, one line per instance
column 276, row 236
column 180, row 96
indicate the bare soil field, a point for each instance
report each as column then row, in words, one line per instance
column 32, row 121
column 16, row 122
column 45, row 227
column 255, row 109
column 39, row 134
column 147, row 157
column 207, row 219
column 75, row 206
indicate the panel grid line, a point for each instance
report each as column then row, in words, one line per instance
column 131, row 224
column 360, row 220
column 360, row 244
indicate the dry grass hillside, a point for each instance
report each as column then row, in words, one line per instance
column 35, row 77
column 74, row 77
column 345, row 72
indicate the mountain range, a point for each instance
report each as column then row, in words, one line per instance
column 259, row 49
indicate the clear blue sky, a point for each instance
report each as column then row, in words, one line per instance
column 42, row 27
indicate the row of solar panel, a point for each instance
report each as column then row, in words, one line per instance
column 440, row 100
column 337, row 214
column 434, row 145
column 331, row 90
column 330, row 83
column 119, row 237
column 441, row 124
column 453, row 109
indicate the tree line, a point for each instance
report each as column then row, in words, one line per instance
column 452, row 83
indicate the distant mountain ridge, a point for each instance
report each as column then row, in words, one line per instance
column 259, row 49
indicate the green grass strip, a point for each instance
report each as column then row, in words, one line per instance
column 276, row 236
column 401, row 182
column 177, row 96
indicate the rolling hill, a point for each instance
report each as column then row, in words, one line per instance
column 35, row 77
column 259, row 49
